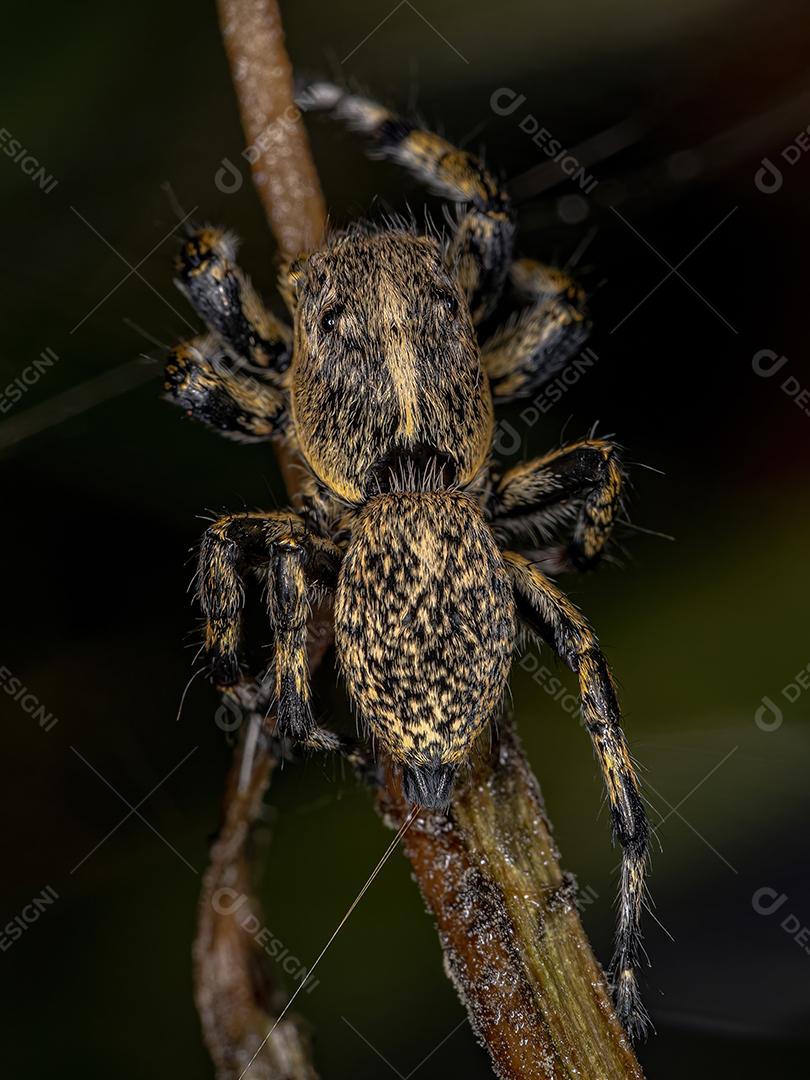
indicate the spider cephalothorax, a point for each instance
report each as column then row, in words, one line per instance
column 384, row 347
column 383, row 390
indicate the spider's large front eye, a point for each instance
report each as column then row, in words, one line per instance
column 329, row 319
column 450, row 304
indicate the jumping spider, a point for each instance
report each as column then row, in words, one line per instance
column 383, row 392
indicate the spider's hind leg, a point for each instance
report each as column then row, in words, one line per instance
column 292, row 561
column 536, row 344
column 549, row 613
column 482, row 246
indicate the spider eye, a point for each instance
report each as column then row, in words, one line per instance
column 450, row 304
column 329, row 320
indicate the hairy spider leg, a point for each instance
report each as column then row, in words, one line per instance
column 294, row 563
column 536, row 343
column 482, row 245
column 201, row 381
column 224, row 298
column 581, row 482
column 549, row 613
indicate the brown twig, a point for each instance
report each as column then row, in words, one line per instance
column 235, row 997
column 509, row 928
column 283, row 170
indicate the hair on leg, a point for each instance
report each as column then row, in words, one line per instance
column 549, row 613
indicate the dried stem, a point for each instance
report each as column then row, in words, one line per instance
column 509, row 928
column 235, row 997
column 283, row 170
column 508, row 924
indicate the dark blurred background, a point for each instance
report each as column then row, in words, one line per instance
column 696, row 254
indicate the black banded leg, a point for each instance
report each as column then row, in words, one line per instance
column 534, row 347
column 549, row 613
column 581, row 483
column 201, row 380
column 482, row 246
column 224, row 298
column 292, row 562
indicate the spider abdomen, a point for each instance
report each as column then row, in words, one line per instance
column 425, row 627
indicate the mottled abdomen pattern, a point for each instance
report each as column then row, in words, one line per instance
column 425, row 627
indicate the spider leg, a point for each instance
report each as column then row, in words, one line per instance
column 582, row 481
column 201, row 380
column 482, row 246
column 548, row 612
column 224, row 298
column 536, row 344
column 294, row 563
